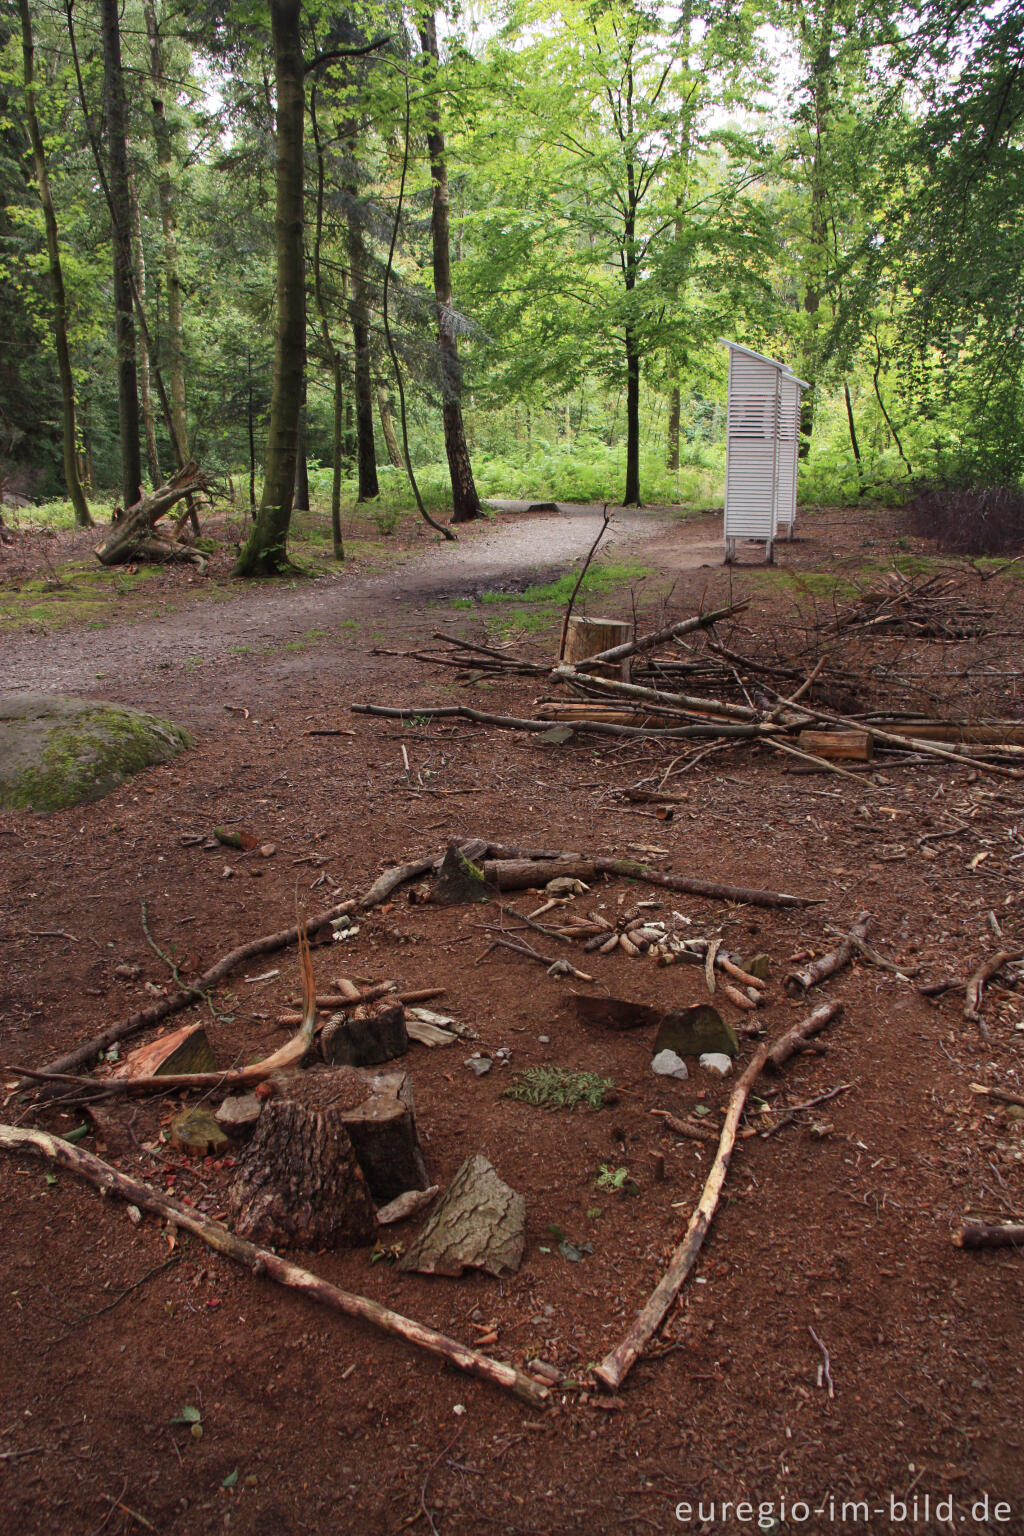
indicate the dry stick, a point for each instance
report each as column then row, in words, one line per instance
column 518, row 874
column 262, row 1262
column 1000, row 1095
column 821, row 762
column 615, row 1366
column 796, row 983
column 980, row 1234
column 976, row 985
column 567, row 673
column 515, row 723
column 670, row 632
column 488, row 650
column 579, row 580
column 798, row 1038
column 910, row 744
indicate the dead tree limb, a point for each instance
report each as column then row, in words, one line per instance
column 1000, row 1095
column 976, row 985
column 797, row 1039
column 700, row 731
column 262, row 1262
column 84, row 1055
column 797, row 983
column 606, row 519
column 518, row 874
column 983, row 1234
column 616, row 1365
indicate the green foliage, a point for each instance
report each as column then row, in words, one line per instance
column 558, row 1088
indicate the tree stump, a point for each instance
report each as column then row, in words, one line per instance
column 298, row 1184
column 382, row 1130
column 589, row 637
column 365, row 1037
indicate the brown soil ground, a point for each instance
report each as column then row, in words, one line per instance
column 836, row 1229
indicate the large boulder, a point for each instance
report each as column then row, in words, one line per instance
column 57, row 751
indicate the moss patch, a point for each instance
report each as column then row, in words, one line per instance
column 57, row 751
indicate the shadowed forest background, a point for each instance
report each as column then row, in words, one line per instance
column 504, row 241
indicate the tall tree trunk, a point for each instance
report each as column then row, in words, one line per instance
column 359, row 317
column 145, row 391
column 674, row 413
column 853, row 437
column 300, row 494
column 175, row 326
column 817, row 35
column 325, row 331
column 387, row 422
column 265, row 551
column 632, row 496
column 116, row 116
column 250, row 416
column 465, row 501
column 83, row 518
column 339, row 545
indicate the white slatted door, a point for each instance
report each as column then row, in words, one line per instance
column 786, row 459
column 751, row 448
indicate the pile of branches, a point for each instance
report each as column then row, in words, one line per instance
column 729, row 699
column 925, row 608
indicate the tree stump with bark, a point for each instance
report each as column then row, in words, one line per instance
column 370, row 1034
column 329, row 1145
column 591, row 637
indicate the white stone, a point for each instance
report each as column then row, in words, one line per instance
column 668, row 1064
column 717, row 1063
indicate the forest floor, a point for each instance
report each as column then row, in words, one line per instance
column 834, row 1232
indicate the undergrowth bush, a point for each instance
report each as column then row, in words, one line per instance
column 969, row 519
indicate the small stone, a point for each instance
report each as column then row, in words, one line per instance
column 268, row 850
column 668, row 1064
column 128, row 972
column 479, row 1064
column 1014, row 1111
column 226, row 872
column 544, row 1039
column 760, row 966
column 695, row 1031
column 717, row 1063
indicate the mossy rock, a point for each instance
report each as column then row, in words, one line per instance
column 57, row 751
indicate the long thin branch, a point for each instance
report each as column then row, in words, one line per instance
column 615, row 1366
column 262, row 1262
column 579, row 580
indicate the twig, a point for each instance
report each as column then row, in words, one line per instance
column 790, row 1114
column 263, row 1262
column 825, row 1370
column 976, row 985
column 797, row 983
column 430, row 1472
column 88, row 1316
column 579, row 580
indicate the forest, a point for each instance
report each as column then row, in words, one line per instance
column 380, row 254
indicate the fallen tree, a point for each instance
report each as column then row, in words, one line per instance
column 134, row 536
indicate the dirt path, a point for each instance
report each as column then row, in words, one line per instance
column 132, row 659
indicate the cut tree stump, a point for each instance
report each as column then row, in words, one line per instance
column 298, row 1183
column 382, row 1129
column 371, row 1034
column 181, row 1050
column 592, row 637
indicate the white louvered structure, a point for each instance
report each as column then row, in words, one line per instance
column 762, row 439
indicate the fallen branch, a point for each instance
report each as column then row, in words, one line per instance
column 606, row 519
column 517, row 723
column 797, row 983
column 670, row 632
column 798, row 1038
column 1000, row 1095
column 983, row 1234
column 262, row 1262
column 976, row 985
column 134, row 535
column 516, row 874
column 615, row 1366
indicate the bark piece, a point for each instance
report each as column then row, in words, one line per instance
column 460, row 879
column 182, row 1050
column 298, row 1183
column 238, row 1114
column 617, row 1013
column 371, row 1034
column 382, row 1130
column 406, row 1205
column 480, row 1224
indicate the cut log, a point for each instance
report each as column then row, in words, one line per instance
column 520, row 873
column 371, row 1034
column 298, row 1183
column 983, row 1234
column 838, row 746
column 590, row 637
column 480, row 1224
